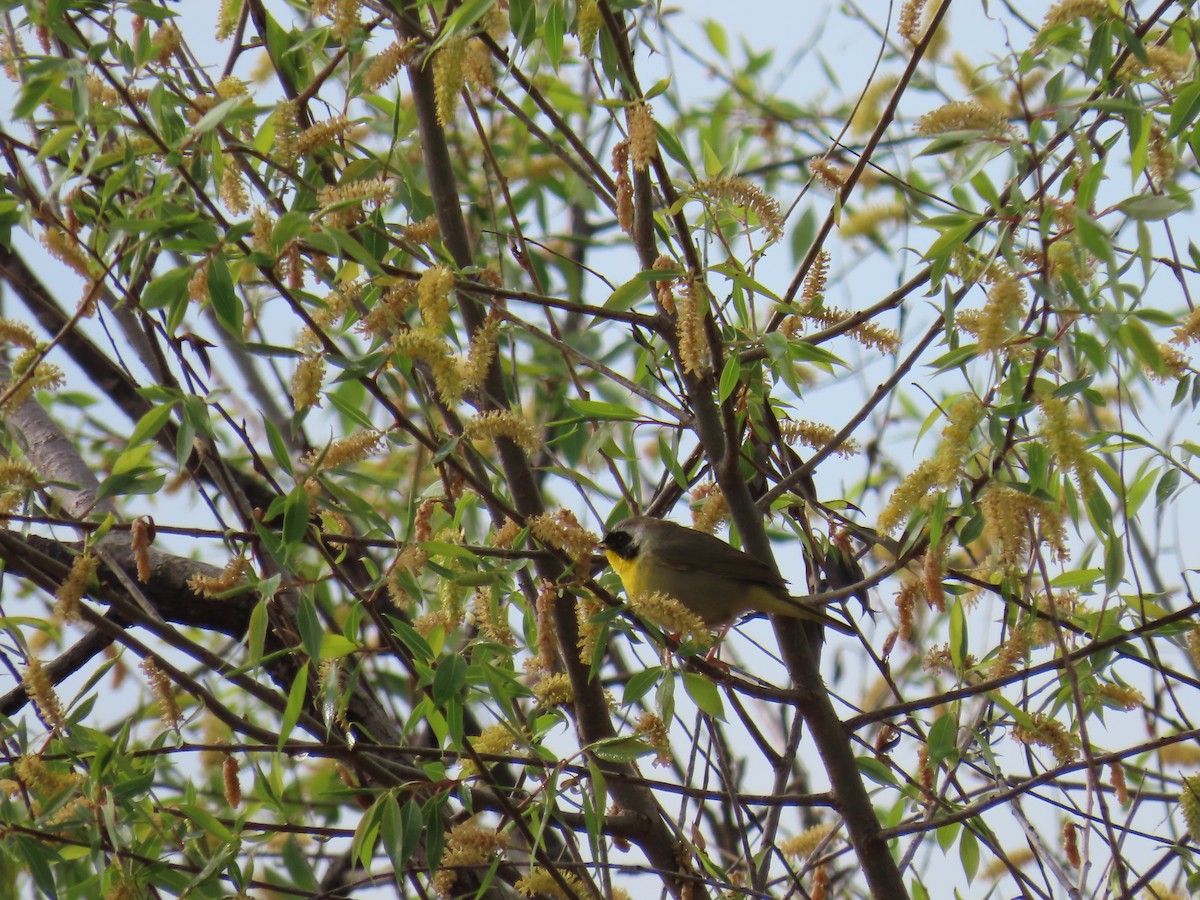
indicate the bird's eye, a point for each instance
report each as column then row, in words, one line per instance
column 617, row 540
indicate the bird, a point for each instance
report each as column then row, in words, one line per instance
column 717, row 582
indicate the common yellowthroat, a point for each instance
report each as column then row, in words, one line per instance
column 712, row 579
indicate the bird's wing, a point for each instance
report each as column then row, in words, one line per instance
column 686, row 550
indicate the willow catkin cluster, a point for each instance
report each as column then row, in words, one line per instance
column 588, row 20
column 1069, row 10
column 554, row 689
column 1045, row 731
column 467, row 845
column 963, row 115
column 1066, row 443
column 672, row 616
column 503, row 423
column 643, row 135
column 69, row 594
column 690, row 315
column 624, row 186
column 387, row 65
column 816, row 435
column 448, row 77
column 742, row 192
column 232, row 576
column 40, row 690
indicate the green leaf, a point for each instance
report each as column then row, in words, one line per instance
column 295, row 516
column 166, row 288
column 256, row 636
column 958, row 635
column 731, row 375
column 553, row 30
column 621, row 749
column 942, row 739
column 225, row 301
column 151, row 424
column 295, row 705
column 366, row 834
column 704, row 694
column 627, row 294
column 449, row 679
column 335, row 646
column 1153, row 207
column 639, row 683
column 875, row 770
column 599, row 410
column 968, row 853
column 312, row 632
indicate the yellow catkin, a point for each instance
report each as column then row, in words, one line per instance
column 164, row 691
column 1069, row 10
column 346, row 451
column 816, row 279
column 562, row 531
column 322, row 134
column 473, row 371
column 1049, row 733
column 467, row 845
column 429, row 347
column 503, row 424
column 228, row 14
column 433, row 296
column 424, row 232
column 67, row 250
column 37, row 685
column 490, row 619
column 477, row 66
column 829, row 173
column 909, row 21
column 71, row 591
column 448, row 77
column 231, row 577
column 540, row 883
column 287, row 132
column 907, row 495
column 307, row 381
column 709, row 508
column 165, row 42
column 955, row 445
column 1189, row 802
column 1005, row 302
column 344, row 15
column 1159, row 891
column 233, row 189
column 1116, row 777
column 671, row 615
column 870, row 108
column 654, row 730
column 801, row 846
column 1184, row 753
column 386, row 66
column 868, row 220
column 590, row 631
column 691, row 312
column 1065, row 441
column 962, row 115
column 742, row 192
column 816, row 435
column 17, row 334
column 554, row 689
column 643, row 135
column 588, row 21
